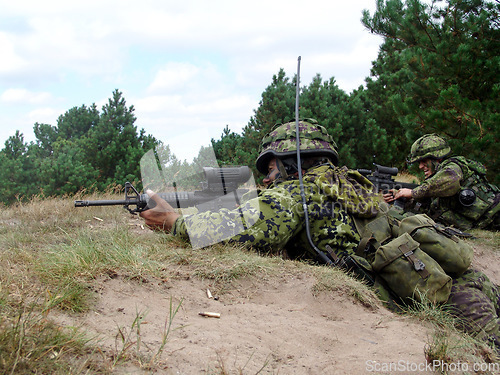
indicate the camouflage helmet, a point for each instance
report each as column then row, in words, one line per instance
column 428, row 146
column 281, row 143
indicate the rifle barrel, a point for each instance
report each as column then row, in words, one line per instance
column 101, row 203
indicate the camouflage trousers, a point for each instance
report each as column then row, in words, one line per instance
column 475, row 301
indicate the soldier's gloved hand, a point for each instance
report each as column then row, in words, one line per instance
column 162, row 216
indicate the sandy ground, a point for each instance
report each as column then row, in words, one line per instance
column 275, row 326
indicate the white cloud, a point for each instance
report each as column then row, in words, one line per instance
column 10, row 60
column 181, row 64
column 23, row 96
column 172, row 77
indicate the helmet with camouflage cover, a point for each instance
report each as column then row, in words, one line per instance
column 429, row 146
column 281, row 143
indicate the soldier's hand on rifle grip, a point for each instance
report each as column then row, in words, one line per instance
column 389, row 195
column 162, row 216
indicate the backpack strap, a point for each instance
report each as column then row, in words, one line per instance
column 366, row 245
column 418, row 265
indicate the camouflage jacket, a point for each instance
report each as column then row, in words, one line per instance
column 275, row 220
column 440, row 194
column 444, row 183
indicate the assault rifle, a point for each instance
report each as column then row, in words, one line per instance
column 383, row 180
column 218, row 190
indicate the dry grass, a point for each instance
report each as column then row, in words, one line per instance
column 52, row 254
column 407, row 177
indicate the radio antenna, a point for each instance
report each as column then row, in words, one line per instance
column 320, row 254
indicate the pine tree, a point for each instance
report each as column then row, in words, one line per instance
column 441, row 63
column 18, row 175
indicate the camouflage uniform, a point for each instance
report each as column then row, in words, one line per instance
column 457, row 193
column 278, row 218
column 336, row 197
column 277, row 215
column 475, row 300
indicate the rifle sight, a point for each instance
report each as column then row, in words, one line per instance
column 225, row 179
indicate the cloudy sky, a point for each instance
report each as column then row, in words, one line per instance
column 186, row 66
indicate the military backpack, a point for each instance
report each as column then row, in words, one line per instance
column 415, row 257
column 475, row 205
